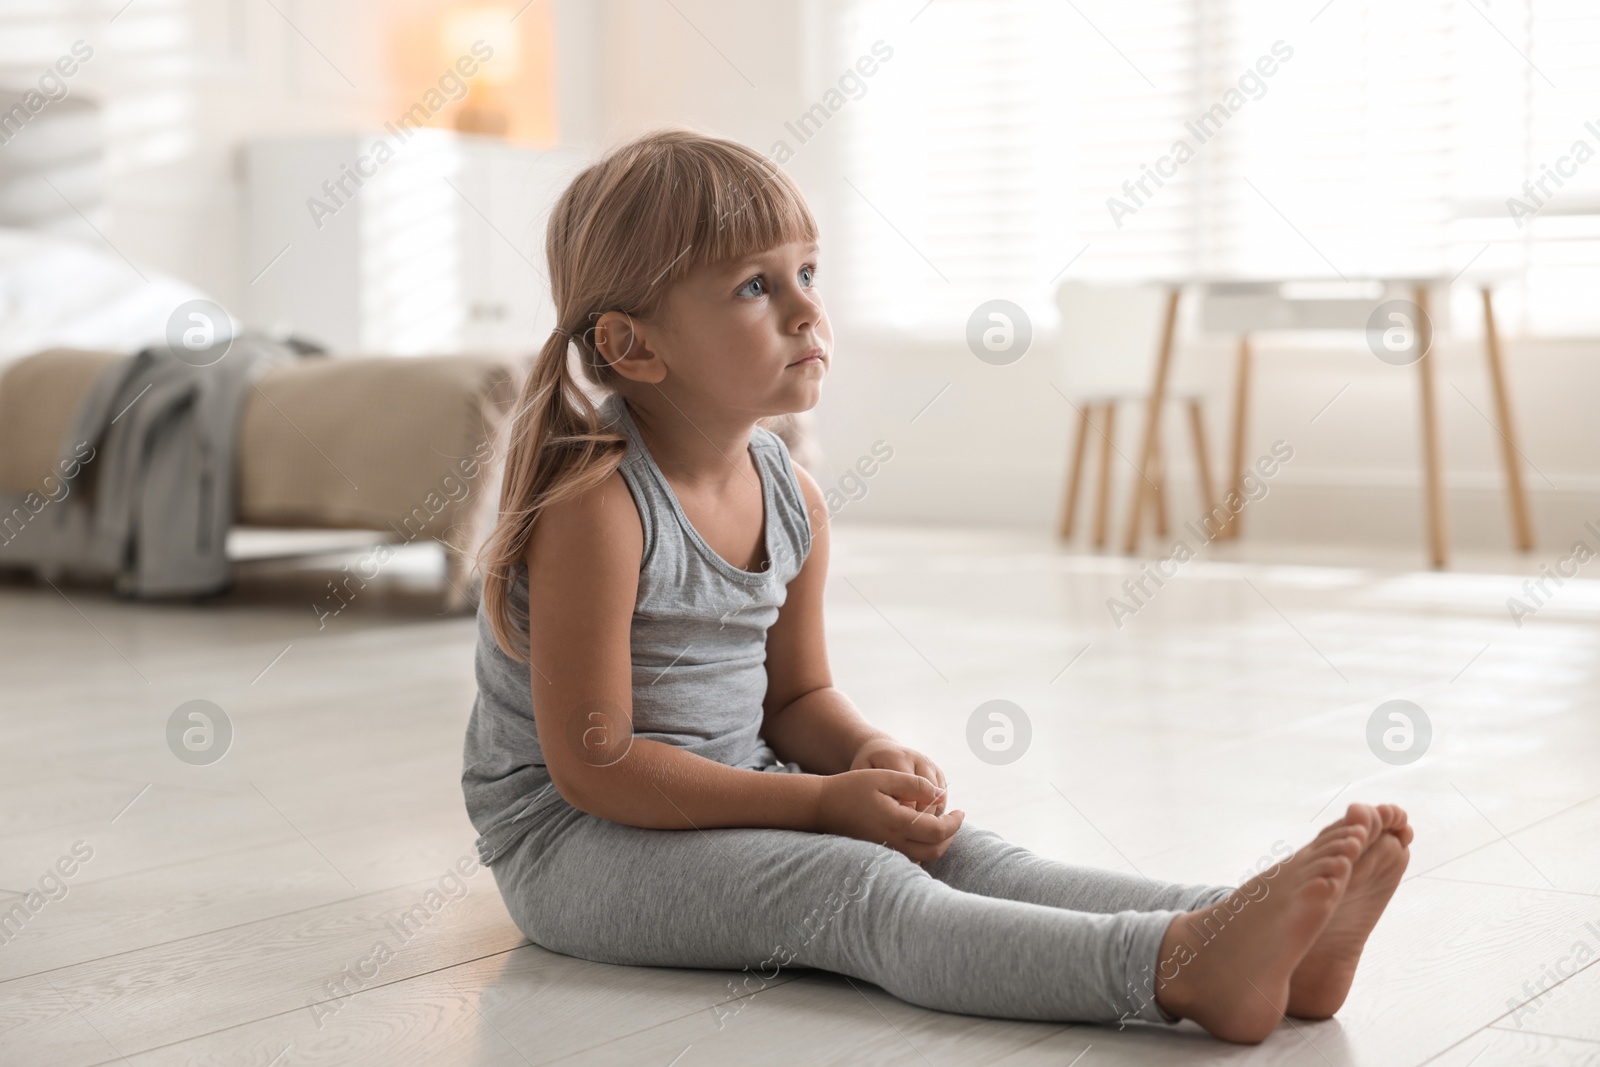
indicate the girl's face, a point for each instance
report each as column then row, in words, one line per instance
column 748, row 335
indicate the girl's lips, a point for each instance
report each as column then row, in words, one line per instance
column 813, row 356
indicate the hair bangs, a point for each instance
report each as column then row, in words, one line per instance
column 742, row 205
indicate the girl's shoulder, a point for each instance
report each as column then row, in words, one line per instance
column 598, row 527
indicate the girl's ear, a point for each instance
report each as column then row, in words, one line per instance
column 624, row 344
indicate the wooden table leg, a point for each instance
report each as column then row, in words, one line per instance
column 1157, row 488
column 1075, row 473
column 1152, row 415
column 1521, row 527
column 1102, row 508
column 1241, row 425
column 1202, row 457
column 1438, row 533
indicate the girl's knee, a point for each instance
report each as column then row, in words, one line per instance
column 976, row 849
column 868, row 865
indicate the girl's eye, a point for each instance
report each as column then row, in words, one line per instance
column 808, row 274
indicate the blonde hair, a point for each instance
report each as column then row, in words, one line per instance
column 626, row 229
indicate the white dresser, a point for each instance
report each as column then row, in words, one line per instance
column 432, row 242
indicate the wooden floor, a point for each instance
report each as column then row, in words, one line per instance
column 217, row 903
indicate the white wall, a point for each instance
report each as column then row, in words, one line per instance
column 992, row 449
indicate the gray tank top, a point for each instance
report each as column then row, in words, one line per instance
column 699, row 646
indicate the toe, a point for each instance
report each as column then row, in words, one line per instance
column 1367, row 817
column 1394, row 816
column 1334, row 872
column 1402, row 854
column 1350, row 841
column 1354, row 822
column 1350, row 848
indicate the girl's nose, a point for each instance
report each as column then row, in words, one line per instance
column 808, row 310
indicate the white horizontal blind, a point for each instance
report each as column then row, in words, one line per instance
column 1008, row 136
column 1340, row 167
column 950, row 195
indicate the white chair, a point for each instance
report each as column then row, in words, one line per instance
column 1108, row 335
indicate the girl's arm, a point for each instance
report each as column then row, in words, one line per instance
column 583, row 577
column 807, row 720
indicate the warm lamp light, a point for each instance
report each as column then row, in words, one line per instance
column 492, row 25
column 463, row 29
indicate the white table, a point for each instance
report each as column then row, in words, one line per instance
column 1244, row 306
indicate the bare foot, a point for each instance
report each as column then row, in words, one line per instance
column 1322, row 981
column 1228, row 966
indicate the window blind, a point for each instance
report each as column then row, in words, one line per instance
column 1167, row 138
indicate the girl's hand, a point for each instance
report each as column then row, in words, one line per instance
column 886, row 753
column 888, row 808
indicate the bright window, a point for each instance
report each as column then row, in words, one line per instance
column 1164, row 138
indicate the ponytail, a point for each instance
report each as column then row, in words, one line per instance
column 557, row 450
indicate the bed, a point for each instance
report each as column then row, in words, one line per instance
column 405, row 448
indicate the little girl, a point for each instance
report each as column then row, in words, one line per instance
column 657, row 760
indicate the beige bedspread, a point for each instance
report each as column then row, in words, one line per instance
column 358, row 442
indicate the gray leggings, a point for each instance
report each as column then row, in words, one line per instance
column 989, row 928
